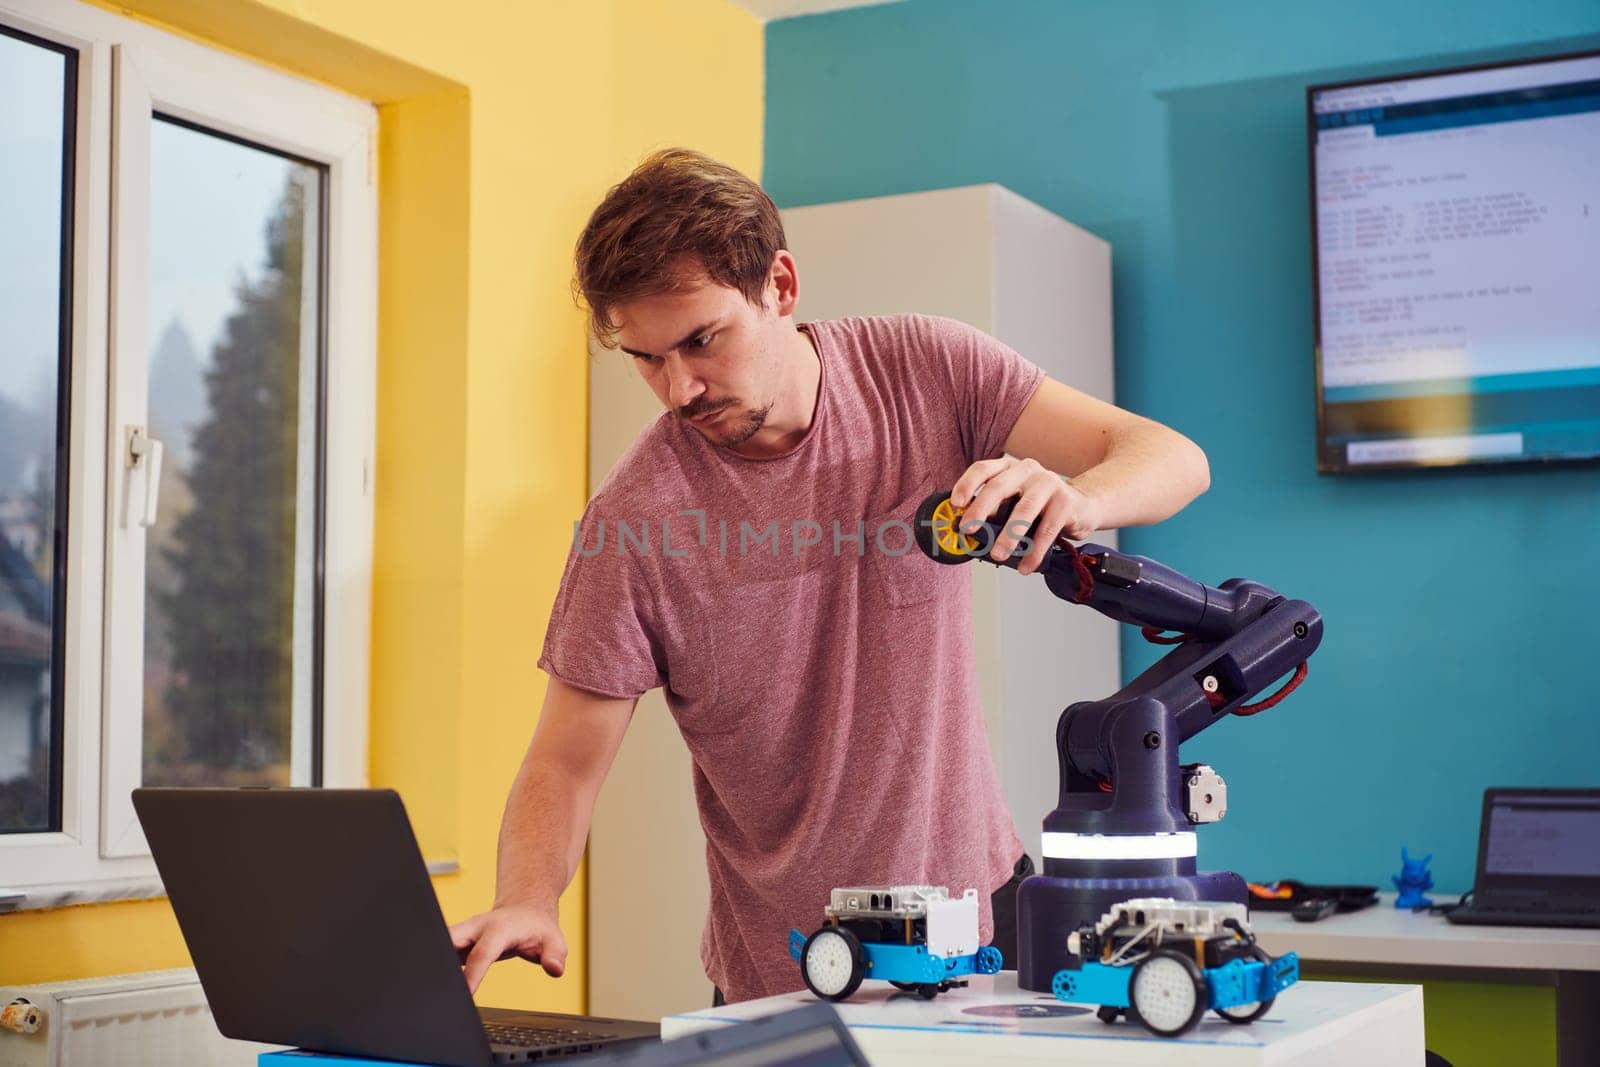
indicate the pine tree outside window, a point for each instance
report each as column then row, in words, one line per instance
column 235, row 243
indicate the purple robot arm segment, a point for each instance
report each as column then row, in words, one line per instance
column 1241, row 637
column 1127, row 808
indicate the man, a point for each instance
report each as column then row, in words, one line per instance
column 749, row 554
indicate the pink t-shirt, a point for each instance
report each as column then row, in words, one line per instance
column 820, row 668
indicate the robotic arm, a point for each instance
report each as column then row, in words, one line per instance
column 1123, row 825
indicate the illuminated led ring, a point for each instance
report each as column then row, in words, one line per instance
column 1066, row 846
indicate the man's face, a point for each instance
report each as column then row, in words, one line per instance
column 712, row 358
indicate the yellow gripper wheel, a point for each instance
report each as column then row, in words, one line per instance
column 938, row 531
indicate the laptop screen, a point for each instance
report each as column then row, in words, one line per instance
column 1540, row 841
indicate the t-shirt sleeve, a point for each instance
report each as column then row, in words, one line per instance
column 990, row 383
column 602, row 636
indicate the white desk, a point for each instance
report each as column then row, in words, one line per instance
column 1399, row 941
column 1313, row 1024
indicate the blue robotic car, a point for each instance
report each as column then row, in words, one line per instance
column 916, row 937
column 1164, row 963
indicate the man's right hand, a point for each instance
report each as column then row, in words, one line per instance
column 507, row 931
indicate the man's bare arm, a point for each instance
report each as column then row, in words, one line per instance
column 543, row 831
column 1126, row 470
column 1139, row 471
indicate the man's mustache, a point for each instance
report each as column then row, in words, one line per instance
column 696, row 409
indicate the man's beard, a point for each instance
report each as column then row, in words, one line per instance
column 749, row 425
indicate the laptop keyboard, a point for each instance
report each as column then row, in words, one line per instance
column 538, row 1037
column 1587, row 915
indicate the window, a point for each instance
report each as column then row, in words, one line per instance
column 234, row 306
column 37, row 80
column 187, row 278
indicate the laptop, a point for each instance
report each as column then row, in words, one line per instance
column 811, row 1036
column 312, row 922
column 1538, row 859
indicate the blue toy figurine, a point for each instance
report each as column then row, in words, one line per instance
column 1412, row 881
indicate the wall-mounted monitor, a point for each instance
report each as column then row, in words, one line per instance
column 1456, row 265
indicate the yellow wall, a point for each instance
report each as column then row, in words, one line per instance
column 501, row 125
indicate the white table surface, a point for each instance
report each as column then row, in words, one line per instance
column 1312, row 1024
column 1387, row 935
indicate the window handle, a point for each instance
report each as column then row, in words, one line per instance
column 147, row 453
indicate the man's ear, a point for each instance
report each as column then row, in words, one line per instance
column 783, row 283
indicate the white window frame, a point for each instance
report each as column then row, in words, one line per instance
column 126, row 71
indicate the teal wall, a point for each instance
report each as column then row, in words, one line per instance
column 1461, row 607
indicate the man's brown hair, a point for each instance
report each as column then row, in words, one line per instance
column 678, row 214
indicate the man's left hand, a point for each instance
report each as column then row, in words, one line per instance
column 1044, row 495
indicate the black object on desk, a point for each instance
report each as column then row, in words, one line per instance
column 1288, row 895
column 312, row 922
column 809, row 1036
column 1313, row 908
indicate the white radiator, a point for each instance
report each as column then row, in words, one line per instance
column 156, row 1019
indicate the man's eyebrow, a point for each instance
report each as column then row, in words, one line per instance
column 696, row 332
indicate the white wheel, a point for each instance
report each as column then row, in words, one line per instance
column 831, row 963
column 1245, row 1013
column 1168, row 992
